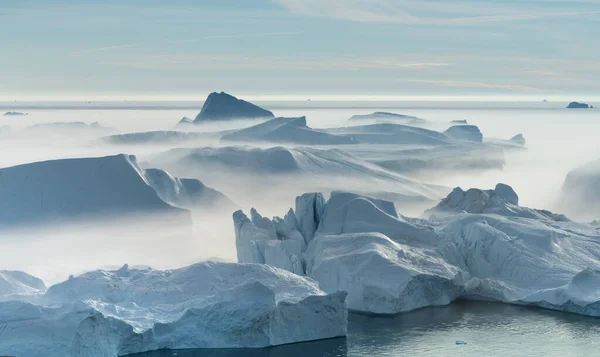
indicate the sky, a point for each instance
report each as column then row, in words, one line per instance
column 184, row 49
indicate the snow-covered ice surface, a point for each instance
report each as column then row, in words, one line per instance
column 477, row 244
column 17, row 285
column 58, row 189
column 205, row 305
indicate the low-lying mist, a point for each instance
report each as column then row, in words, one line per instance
column 557, row 142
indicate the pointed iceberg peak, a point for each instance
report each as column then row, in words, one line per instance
column 518, row 139
column 223, row 106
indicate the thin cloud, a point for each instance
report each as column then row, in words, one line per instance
column 468, row 84
column 462, row 12
column 238, row 35
column 104, row 49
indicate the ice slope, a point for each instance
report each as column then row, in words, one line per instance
column 286, row 130
column 19, row 285
column 309, row 164
column 580, row 194
column 484, row 247
column 391, row 133
column 222, row 106
column 205, row 305
column 59, row 189
column 457, row 157
column 465, row 132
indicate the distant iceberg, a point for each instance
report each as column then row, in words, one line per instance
column 484, row 247
column 205, row 305
column 222, row 106
column 465, row 132
column 69, row 188
column 14, row 113
column 388, row 133
column 154, row 137
column 577, row 105
column 388, row 117
column 581, row 191
column 286, row 130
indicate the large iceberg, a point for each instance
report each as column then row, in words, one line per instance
column 477, row 244
column 205, row 305
column 580, row 194
column 391, row 133
column 222, row 106
column 465, row 132
column 287, row 130
column 19, row 285
column 53, row 190
column 314, row 169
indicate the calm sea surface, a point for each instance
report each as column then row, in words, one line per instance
column 489, row 329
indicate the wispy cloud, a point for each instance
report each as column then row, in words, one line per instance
column 104, row 49
column 468, row 84
column 294, row 63
column 425, row 12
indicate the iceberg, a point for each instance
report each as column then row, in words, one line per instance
column 19, row 285
column 286, row 130
column 476, row 244
column 391, row 133
column 388, row 117
column 316, row 168
column 154, row 137
column 14, row 114
column 457, row 157
column 465, row 132
column 184, row 122
column 577, row 105
column 222, row 106
column 580, row 193
column 54, row 190
column 205, row 305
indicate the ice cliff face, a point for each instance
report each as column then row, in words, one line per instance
column 478, row 244
column 206, row 305
column 222, row 106
column 54, row 190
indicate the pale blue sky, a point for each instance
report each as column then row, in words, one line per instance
column 185, row 49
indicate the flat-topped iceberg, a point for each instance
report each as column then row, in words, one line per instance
column 205, row 305
column 391, row 133
column 287, row 130
column 388, row 117
column 485, row 246
column 47, row 191
column 223, row 106
column 465, row 132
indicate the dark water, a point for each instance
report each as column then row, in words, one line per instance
column 489, row 329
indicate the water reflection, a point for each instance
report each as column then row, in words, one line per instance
column 335, row 347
